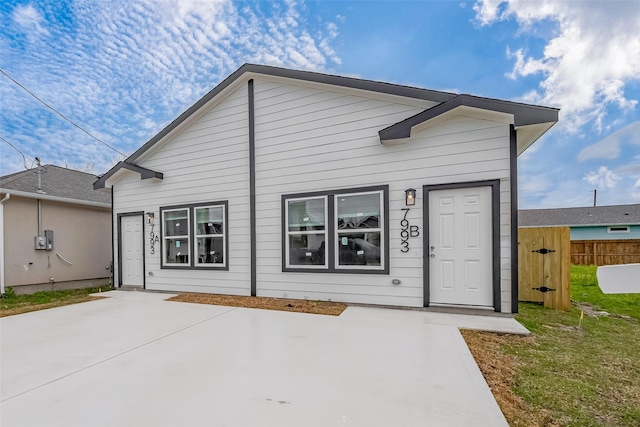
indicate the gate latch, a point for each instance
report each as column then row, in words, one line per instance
column 543, row 289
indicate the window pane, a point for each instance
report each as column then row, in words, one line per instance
column 359, row 248
column 359, row 211
column 306, row 249
column 210, row 250
column 306, row 215
column 210, row 220
column 175, row 223
column 176, row 251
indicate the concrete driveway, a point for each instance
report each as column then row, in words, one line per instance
column 136, row 360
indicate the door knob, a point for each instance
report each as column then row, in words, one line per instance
column 433, row 255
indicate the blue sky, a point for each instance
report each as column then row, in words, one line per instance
column 122, row 70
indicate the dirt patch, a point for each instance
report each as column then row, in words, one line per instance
column 499, row 370
column 266, row 303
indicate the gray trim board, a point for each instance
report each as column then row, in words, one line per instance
column 252, row 188
column 524, row 114
column 144, row 257
column 495, row 233
column 144, row 173
column 514, row 217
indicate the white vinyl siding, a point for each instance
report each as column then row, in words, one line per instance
column 311, row 137
column 313, row 140
column 207, row 160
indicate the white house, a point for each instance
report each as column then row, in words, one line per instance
column 297, row 184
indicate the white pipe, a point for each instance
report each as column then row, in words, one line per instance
column 6, row 197
column 62, row 258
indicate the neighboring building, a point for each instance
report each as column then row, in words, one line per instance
column 297, row 184
column 56, row 230
column 619, row 222
column 600, row 235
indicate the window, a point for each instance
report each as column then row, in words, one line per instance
column 339, row 231
column 194, row 236
column 209, row 231
column 307, row 232
column 176, row 236
column 359, row 229
column 619, row 229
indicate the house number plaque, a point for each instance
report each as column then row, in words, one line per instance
column 153, row 239
column 407, row 231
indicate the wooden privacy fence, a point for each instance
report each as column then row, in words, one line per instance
column 544, row 271
column 605, row 252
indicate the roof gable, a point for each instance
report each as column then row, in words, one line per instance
column 525, row 115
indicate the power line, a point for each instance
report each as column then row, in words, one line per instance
column 59, row 113
column 24, row 158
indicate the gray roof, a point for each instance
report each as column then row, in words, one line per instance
column 595, row 215
column 56, row 181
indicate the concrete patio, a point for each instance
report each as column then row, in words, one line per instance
column 134, row 359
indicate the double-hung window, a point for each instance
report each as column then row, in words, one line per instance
column 306, row 232
column 194, row 236
column 359, row 231
column 175, row 237
column 209, row 236
column 336, row 231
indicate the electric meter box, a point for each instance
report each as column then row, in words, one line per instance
column 39, row 243
column 44, row 243
column 48, row 235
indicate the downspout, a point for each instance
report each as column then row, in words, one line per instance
column 7, row 196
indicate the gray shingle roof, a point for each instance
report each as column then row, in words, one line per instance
column 57, row 182
column 595, row 215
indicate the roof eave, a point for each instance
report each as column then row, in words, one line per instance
column 28, row 195
column 105, row 181
column 524, row 116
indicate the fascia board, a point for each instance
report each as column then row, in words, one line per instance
column 27, row 195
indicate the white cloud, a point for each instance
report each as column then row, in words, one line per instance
column 609, row 147
column 123, row 69
column 604, row 178
column 30, row 20
column 593, row 51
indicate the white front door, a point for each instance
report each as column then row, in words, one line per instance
column 460, row 249
column 131, row 248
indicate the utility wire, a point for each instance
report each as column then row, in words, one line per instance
column 59, row 113
column 24, row 158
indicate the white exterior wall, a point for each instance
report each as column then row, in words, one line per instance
column 313, row 140
column 206, row 162
column 311, row 137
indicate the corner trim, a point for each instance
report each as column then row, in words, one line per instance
column 252, row 187
column 513, row 190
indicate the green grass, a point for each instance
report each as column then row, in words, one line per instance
column 584, row 373
column 10, row 303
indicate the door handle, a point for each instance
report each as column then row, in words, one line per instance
column 432, row 248
column 433, row 255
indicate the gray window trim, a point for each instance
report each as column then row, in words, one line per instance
column 331, row 231
column 192, row 264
